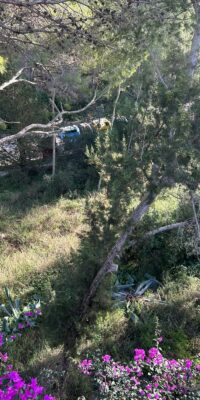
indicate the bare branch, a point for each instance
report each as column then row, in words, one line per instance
column 25, row 131
column 115, row 106
column 162, row 229
column 155, row 61
column 52, row 124
column 8, row 122
column 94, row 99
column 15, row 79
column 28, row 3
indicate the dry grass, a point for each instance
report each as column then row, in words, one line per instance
column 39, row 238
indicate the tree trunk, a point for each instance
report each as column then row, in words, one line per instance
column 117, row 249
column 194, row 52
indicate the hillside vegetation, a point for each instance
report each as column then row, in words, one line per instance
column 47, row 248
column 99, row 199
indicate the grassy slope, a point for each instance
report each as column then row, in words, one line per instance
column 40, row 235
column 33, row 241
column 33, row 237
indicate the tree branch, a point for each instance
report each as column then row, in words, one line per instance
column 15, row 79
column 115, row 106
column 162, row 229
column 153, row 57
column 28, row 3
column 52, row 124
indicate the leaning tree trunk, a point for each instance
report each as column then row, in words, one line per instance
column 117, row 249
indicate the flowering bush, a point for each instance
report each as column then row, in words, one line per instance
column 12, row 385
column 149, row 376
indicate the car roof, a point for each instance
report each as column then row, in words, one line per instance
column 69, row 127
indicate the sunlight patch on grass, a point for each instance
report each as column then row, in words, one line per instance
column 37, row 240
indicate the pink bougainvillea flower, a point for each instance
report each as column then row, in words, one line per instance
column 149, row 386
column 139, row 354
column 198, row 367
column 172, row 364
column 106, row 358
column 153, row 352
column 28, row 314
column 188, row 364
column 158, row 360
column 141, row 392
column 86, row 363
column 128, row 370
column 85, row 366
column 19, row 385
column 12, row 338
column 35, row 387
column 14, row 376
column 21, row 326
column 135, row 380
column 4, row 357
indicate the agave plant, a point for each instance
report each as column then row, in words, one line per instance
column 125, row 295
column 12, row 308
column 13, row 313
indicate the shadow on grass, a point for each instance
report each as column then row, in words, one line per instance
column 62, row 287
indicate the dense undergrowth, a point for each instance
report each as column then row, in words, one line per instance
column 53, row 241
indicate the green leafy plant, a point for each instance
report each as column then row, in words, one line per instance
column 14, row 317
column 126, row 294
